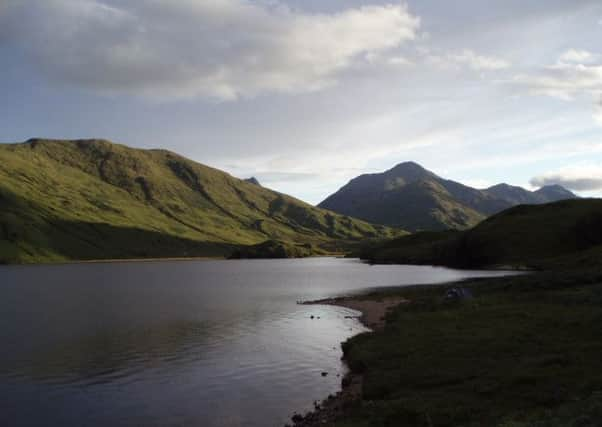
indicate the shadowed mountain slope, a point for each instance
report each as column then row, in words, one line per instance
column 554, row 193
column 414, row 198
column 92, row 199
column 564, row 234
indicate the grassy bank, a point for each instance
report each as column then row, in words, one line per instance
column 561, row 235
column 525, row 351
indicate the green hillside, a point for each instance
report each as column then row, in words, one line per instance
column 93, row 199
column 562, row 234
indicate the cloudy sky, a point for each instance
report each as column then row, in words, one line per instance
column 306, row 94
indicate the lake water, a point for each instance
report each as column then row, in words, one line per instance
column 195, row 343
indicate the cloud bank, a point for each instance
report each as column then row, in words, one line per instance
column 465, row 58
column 563, row 80
column 578, row 56
column 576, row 72
column 598, row 111
column 580, row 178
column 222, row 49
column 479, row 62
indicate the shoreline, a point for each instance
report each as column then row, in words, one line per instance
column 373, row 308
column 154, row 259
column 488, row 379
column 503, row 267
column 110, row 261
column 373, row 312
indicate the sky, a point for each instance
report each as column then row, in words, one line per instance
column 307, row 94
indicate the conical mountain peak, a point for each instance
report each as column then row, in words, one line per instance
column 414, row 198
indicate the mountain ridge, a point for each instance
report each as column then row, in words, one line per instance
column 93, row 199
column 397, row 198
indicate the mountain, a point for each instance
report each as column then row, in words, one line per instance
column 253, row 180
column 516, row 195
column 554, row 193
column 93, row 199
column 520, row 196
column 414, row 198
column 556, row 235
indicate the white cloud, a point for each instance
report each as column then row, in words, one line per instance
column 583, row 177
column 464, row 58
column 563, row 80
column 575, row 74
column 400, row 61
column 379, row 59
column 220, row 48
column 578, row 56
column 598, row 112
column 478, row 62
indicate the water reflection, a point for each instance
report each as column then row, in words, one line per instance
column 178, row 343
column 111, row 355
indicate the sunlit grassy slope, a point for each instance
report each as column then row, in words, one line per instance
column 93, row 199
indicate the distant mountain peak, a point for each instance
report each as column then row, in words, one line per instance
column 253, row 180
column 407, row 166
column 410, row 171
column 502, row 185
column 555, row 192
column 414, row 198
column 554, row 187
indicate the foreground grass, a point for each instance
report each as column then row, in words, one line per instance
column 525, row 351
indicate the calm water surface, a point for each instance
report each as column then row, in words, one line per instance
column 199, row 343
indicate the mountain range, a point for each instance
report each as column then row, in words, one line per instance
column 93, row 199
column 414, row 198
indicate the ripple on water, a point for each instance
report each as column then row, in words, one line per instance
column 178, row 343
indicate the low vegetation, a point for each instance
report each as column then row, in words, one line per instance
column 524, row 351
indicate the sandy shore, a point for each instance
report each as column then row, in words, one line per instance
column 374, row 311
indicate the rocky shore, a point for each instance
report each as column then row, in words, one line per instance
column 373, row 315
